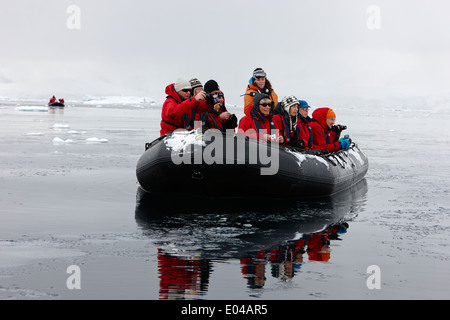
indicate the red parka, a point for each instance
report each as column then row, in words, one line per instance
column 303, row 131
column 253, row 122
column 324, row 137
column 179, row 114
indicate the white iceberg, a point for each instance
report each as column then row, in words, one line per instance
column 96, row 140
column 32, row 108
column 59, row 126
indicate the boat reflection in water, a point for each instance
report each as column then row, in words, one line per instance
column 279, row 235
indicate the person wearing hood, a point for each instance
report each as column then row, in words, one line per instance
column 258, row 123
column 259, row 83
column 324, row 134
column 218, row 116
column 179, row 109
column 295, row 132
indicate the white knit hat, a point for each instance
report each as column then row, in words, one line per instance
column 288, row 102
column 181, row 84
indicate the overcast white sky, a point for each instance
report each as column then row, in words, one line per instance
column 307, row 47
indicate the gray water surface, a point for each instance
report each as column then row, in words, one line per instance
column 69, row 196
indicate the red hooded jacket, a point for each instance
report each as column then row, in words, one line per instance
column 324, row 137
column 252, row 120
column 179, row 114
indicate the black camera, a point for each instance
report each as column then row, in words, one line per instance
column 211, row 98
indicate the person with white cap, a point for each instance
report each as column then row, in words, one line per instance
column 180, row 107
column 259, row 83
column 285, row 118
column 291, row 118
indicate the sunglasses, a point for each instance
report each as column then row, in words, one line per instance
column 186, row 90
column 269, row 104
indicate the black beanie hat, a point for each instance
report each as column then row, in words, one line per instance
column 211, row 85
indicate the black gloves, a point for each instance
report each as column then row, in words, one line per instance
column 232, row 122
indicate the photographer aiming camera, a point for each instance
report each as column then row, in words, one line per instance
column 218, row 116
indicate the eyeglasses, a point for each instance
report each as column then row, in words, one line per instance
column 266, row 104
column 186, row 90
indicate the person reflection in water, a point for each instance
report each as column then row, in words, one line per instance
column 182, row 276
column 287, row 259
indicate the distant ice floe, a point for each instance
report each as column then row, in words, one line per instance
column 96, row 140
column 34, row 134
column 93, row 140
column 59, row 141
column 32, row 108
column 60, row 126
column 118, row 100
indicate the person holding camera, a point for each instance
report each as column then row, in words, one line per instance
column 259, row 83
column 218, row 116
column 180, row 108
column 258, row 122
column 325, row 133
column 196, row 86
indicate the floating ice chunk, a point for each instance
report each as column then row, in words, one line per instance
column 96, row 140
column 119, row 100
column 59, row 141
column 73, row 132
column 34, row 134
column 60, row 126
column 32, row 108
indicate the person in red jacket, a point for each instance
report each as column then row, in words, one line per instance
column 306, row 134
column 52, row 99
column 180, row 108
column 258, row 123
column 218, row 116
column 325, row 134
column 286, row 117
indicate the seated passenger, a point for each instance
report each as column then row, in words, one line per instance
column 53, row 99
column 196, row 86
column 306, row 134
column 180, row 108
column 324, row 135
column 258, row 123
column 218, row 116
column 295, row 133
